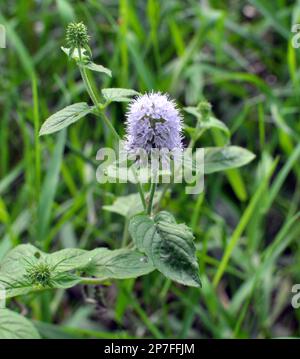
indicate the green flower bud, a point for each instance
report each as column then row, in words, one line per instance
column 77, row 35
column 204, row 108
column 40, row 275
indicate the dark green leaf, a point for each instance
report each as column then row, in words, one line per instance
column 168, row 245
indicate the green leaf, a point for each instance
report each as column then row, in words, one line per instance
column 86, row 62
column 21, row 271
column 192, row 111
column 223, row 158
column 98, row 68
column 118, row 94
column 118, row 264
column 203, row 125
column 75, row 54
column 15, row 326
column 49, row 187
column 65, row 117
column 130, row 205
column 67, row 259
column 213, row 122
column 17, row 265
column 168, row 245
column 126, row 206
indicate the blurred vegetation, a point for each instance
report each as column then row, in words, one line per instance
column 237, row 55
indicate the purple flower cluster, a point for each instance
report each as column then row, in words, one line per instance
column 153, row 121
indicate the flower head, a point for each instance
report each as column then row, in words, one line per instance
column 39, row 274
column 153, row 121
column 77, row 35
column 77, row 38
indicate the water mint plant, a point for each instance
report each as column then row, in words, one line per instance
column 153, row 121
column 154, row 239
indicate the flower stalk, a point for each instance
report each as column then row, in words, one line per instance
column 77, row 38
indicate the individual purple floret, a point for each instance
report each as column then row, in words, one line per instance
column 153, row 121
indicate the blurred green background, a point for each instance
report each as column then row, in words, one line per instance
column 236, row 54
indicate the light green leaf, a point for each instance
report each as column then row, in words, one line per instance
column 168, row 245
column 98, row 68
column 15, row 326
column 192, row 111
column 49, row 187
column 129, row 205
column 86, row 62
column 223, row 158
column 213, row 122
column 118, row 94
column 118, row 264
column 126, row 206
column 196, row 132
column 65, row 117
column 67, row 259
column 75, row 54
column 26, row 269
column 17, row 265
column 203, row 125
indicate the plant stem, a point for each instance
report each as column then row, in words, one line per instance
column 109, row 124
column 101, row 112
column 93, row 281
column 152, row 193
column 125, row 233
column 142, row 195
column 88, row 85
column 169, row 185
column 139, row 186
column 165, row 189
